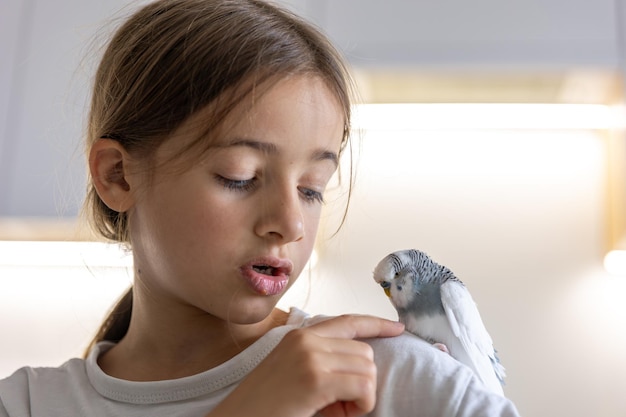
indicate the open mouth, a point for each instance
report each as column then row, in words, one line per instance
column 268, row 275
column 265, row 269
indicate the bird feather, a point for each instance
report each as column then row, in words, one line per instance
column 435, row 305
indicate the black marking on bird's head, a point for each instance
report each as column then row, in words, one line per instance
column 428, row 271
column 406, row 275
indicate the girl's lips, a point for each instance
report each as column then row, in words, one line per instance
column 267, row 275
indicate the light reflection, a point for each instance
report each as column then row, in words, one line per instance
column 470, row 116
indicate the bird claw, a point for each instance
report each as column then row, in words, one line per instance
column 442, row 347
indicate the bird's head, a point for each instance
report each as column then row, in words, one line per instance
column 396, row 274
column 385, row 272
column 410, row 276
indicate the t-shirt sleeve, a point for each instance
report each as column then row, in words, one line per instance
column 14, row 397
column 3, row 411
column 417, row 380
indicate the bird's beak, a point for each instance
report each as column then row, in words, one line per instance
column 386, row 287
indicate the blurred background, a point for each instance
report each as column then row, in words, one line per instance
column 491, row 136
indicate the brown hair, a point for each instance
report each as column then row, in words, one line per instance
column 172, row 58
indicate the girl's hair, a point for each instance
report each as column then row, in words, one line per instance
column 173, row 58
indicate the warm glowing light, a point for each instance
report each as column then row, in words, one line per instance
column 63, row 254
column 312, row 263
column 615, row 262
column 468, row 116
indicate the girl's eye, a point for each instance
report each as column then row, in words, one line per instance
column 311, row 196
column 308, row 195
column 237, row 185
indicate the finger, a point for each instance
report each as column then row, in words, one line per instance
column 354, row 392
column 350, row 363
column 329, row 354
column 357, row 326
column 341, row 409
column 339, row 345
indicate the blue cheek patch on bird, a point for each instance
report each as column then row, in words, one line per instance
column 436, row 306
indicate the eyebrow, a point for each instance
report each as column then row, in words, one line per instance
column 270, row 148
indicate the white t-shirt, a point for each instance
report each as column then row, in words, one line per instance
column 414, row 379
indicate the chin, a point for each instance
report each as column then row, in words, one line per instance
column 250, row 313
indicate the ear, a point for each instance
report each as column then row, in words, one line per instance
column 108, row 165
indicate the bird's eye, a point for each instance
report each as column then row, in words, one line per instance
column 385, row 284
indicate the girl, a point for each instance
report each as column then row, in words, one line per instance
column 214, row 128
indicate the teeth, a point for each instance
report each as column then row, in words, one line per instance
column 263, row 269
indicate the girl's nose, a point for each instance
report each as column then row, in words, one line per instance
column 282, row 218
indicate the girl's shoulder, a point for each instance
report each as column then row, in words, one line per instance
column 405, row 355
column 414, row 375
column 21, row 379
column 47, row 384
column 415, row 378
column 406, row 347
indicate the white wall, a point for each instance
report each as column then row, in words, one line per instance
column 47, row 53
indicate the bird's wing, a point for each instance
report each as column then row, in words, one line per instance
column 467, row 325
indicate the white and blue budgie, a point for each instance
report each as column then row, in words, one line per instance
column 436, row 306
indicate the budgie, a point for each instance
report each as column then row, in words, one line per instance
column 436, row 306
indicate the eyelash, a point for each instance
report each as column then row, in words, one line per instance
column 310, row 196
column 237, row 185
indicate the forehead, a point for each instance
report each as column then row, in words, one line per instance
column 301, row 106
column 302, row 103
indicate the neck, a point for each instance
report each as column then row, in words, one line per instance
column 167, row 343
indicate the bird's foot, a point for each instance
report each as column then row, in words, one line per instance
column 442, row 347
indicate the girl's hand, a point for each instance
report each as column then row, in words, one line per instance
column 317, row 368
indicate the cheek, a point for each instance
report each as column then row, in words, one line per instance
column 205, row 225
column 171, row 218
column 401, row 292
column 311, row 218
column 310, row 227
column 310, row 235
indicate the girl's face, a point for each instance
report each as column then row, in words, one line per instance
column 229, row 235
